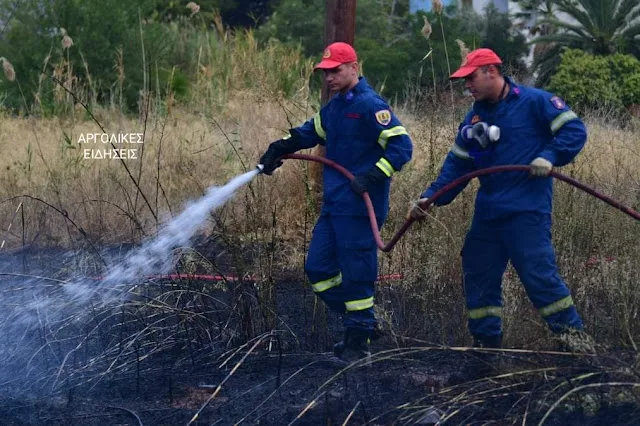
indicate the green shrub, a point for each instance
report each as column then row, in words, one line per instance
column 591, row 82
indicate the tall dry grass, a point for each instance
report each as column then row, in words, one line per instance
column 186, row 153
column 242, row 98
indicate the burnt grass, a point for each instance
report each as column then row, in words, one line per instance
column 216, row 356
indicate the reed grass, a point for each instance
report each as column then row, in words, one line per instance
column 243, row 96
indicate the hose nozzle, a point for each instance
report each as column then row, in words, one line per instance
column 260, row 168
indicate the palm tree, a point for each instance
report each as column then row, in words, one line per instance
column 534, row 15
column 600, row 27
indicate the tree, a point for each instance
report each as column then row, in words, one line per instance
column 98, row 32
column 302, row 21
column 600, row 27
column 534, row 13
column 245, row 13
column 234, row 13
column 297, row 22
column 388, row 40
column 509, row 44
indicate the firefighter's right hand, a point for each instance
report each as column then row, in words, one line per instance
column 416, row 212
column 271, row 159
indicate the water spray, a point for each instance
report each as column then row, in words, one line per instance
column 152, row 257
column 59, row 308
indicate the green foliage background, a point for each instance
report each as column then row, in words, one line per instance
column 586, row 81
column 122, row 48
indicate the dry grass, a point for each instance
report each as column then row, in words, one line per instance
column 45, row 158
column 9, row 72
column 242, row 97
column 185, row 153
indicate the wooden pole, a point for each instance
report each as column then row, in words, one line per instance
column 339, row 25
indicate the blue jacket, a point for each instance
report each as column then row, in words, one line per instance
column 360, row 132
column 533, row 123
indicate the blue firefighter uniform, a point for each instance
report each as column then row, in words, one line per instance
column 512, row 219
column 360, row 132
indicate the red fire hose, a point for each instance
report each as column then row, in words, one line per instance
column 374, row 223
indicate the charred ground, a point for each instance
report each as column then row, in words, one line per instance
column 179, row 351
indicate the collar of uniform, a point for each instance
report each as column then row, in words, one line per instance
column 361, row 87
column 514, row 90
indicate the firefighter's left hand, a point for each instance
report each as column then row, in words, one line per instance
column 364, row 183
column 416, row 212
column 540, row 167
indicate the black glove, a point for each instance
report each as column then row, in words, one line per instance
column 272, row 158
column 363, row 183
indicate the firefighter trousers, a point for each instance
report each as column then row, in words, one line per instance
column 342, row 266
column 525, row 240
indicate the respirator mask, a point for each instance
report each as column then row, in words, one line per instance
column 481, row 132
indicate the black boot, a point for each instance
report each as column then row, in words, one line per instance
column 484, row 364
column 492, row 342
column 376, row 333
column 355, row 344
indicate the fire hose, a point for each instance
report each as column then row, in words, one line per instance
column 462, row 179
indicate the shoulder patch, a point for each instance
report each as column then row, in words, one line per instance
column 383, row 117
column 475, row 119
column 558, row 103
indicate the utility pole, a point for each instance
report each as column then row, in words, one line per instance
column 339, row 25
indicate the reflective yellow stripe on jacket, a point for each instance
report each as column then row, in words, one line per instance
column 388, row 133
column 561, row 120
column 317, row 123
column 386, row 167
